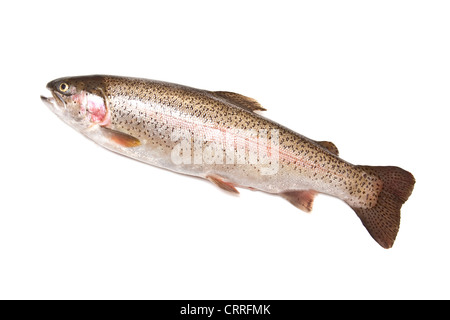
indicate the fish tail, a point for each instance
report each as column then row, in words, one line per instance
column 383, row 220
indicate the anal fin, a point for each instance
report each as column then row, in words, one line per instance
column 221, row 183
column 303, row 199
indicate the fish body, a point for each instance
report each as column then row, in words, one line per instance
column 220, row 136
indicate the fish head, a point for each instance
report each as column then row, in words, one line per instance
column 79, row 101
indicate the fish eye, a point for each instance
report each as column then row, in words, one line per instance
column 63, row 87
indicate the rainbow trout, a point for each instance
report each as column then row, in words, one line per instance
column 220, row 136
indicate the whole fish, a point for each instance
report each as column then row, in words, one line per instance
column 220, row 136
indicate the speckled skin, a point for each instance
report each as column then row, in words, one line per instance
column 152, row 111
column 146, row 109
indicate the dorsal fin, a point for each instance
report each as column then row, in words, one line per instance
column 329, row 146
column 239, row 100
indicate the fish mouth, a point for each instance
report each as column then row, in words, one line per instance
column 47, row 100
column 55, row 101
column 58, row 99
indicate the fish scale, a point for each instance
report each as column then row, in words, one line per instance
column 152, row 121
column 153, row 102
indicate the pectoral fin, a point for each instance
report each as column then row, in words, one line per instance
column 303, row 199
column 221, row 183
column 239, row 100
column 123, row 139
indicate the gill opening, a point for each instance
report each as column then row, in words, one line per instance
column 107, row 119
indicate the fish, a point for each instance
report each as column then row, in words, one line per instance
column 223, row 137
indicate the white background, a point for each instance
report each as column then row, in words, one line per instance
column 77, row 221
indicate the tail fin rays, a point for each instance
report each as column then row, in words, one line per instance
column 383, row 220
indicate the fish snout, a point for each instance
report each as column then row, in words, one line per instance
column 52, row 85
column 46, row 99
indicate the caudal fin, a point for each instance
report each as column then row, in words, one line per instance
column 383, row 220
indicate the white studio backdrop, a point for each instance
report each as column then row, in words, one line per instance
column 79, row 222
